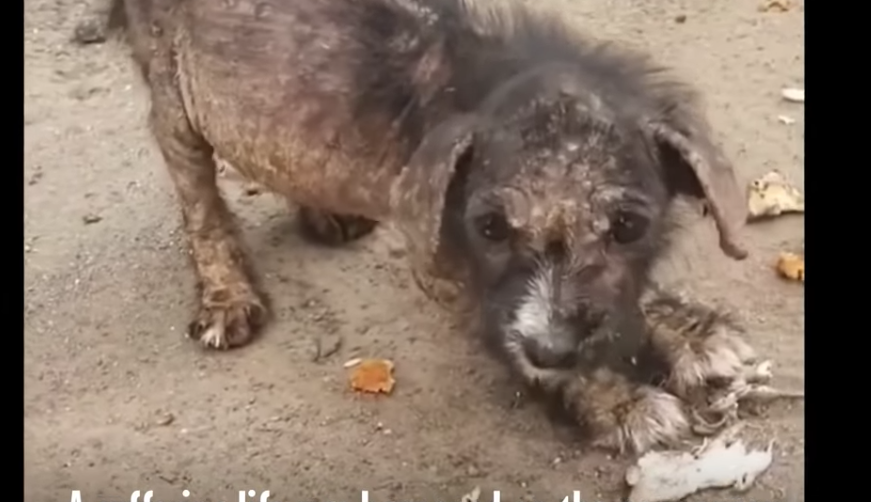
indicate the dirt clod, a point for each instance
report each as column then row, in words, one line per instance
column 90, row 31
column 90, row 219
column 326, row 345
column 35, row 177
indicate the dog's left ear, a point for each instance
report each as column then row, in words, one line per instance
column 694, row 166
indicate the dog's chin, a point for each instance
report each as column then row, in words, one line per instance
column 539, row 377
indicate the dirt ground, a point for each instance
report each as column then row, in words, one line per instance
column 117, row 400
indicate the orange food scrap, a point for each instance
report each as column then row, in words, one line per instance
column 791, row 266
column 373, row 376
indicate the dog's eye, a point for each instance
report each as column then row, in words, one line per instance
column 628, row 227
column 493, row 227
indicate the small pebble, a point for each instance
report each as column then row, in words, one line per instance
column 353, row 362
column 166, row 419
column 793, row 95
column 90, row 219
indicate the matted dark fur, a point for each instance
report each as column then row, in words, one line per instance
column 527, row 167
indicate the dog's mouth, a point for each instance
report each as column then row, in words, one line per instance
column 549, row 361
column 534, row 371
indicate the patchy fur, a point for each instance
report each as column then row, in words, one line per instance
column 529, row 169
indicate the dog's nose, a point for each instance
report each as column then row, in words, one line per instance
column 559, row 352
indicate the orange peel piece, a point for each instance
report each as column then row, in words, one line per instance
column 373, row 376
column 791, row 266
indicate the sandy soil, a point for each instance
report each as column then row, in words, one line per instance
column 116, row 400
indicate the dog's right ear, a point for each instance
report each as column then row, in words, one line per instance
column 417, row 197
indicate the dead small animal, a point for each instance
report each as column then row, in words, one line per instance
column 724, row 462
column 528, row 168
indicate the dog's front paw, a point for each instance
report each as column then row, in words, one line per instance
column 699, row 344
column 718, row 356
column 625, row 416
column 225, row 321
